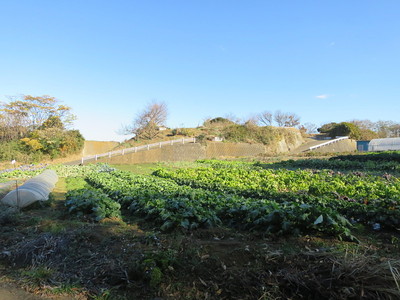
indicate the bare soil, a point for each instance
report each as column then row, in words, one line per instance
column 10, row 292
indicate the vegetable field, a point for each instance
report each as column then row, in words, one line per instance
column 221, row 222
column 276, row 202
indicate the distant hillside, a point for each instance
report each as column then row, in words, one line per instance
column 276, row 139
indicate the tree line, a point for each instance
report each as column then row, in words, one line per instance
column 36, row 127
column 33, row 128
column 147, row 123
column 362, row 129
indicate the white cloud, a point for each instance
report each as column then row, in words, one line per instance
column 323, row 96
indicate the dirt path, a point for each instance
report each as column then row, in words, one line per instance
column 9, row 292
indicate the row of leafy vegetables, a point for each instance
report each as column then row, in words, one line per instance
column 388, row 161
column 242, row 195
column 271, row 201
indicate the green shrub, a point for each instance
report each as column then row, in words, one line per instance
column 254, row 134
column 182, row 131
column 42, row 144
column 342, row 129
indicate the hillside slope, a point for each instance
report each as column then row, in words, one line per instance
column 238, row 141
column 348, row 145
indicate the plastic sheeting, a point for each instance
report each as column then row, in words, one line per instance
column 35, row 189
column 384, row 144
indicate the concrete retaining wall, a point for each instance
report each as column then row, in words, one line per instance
column 340, row 146
column 218, row 149
column 286, row 140
column 188, row 152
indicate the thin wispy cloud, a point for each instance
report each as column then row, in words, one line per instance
column 323, row 96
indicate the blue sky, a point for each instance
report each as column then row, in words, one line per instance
column 323, row 60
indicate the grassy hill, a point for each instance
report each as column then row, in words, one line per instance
column 227, row 131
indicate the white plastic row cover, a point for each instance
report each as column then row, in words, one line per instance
column 35, row 189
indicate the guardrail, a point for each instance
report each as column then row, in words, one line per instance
column 137, row 149
column 327, row 143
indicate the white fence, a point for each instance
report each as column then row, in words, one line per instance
column 137, row 149
column 327, row 143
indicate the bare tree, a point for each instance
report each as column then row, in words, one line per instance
column 363, row 124
column 279, row 118
column 13, row 123
column 286, row 119
column 251, row 120
column 387, row 129
column 265, row 118
column 291, row 120
column 310, row 128
column 147, row 122
column 33, row 111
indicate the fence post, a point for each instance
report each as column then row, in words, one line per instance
column 123, row 151
column 194, row 140
column 160, row 144
column 135, row 149
column 16, row 187
column 172, row 142
column 109, row 154
column 96, row 157
column 82, row 161
column 183, row 141
column 148, row 147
